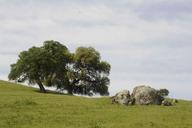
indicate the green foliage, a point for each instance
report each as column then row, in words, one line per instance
column 53, row 65
column 89, row 74
column 163, row 92
column 44, row 65
column 64, row 111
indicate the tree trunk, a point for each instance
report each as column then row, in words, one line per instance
column 70, row 90
column 41, row 87
column 71, row 86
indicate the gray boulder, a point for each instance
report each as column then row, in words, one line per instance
column 145, row 95
column 122, row 97
column 166, row 103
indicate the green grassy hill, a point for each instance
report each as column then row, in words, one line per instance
column 24, row 107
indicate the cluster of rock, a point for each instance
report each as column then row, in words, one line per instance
column 123, row 97
column 141, row 95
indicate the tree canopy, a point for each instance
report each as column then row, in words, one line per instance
column 81, row 72
column 88, row 73
column 163, row 92
column 42, row 65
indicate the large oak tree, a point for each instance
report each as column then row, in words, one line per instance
column 81, row 72
column 44, row 65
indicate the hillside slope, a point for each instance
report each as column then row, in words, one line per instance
column 24, row 107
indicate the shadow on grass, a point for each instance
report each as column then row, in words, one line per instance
column 52, row 92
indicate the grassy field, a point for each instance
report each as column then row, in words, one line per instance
column 24, row 107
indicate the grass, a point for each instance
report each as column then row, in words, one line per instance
column 24, row 107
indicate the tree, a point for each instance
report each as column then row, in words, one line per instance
column 44, row 65
column 53, row 65
column 88, row 74
column 163, row 92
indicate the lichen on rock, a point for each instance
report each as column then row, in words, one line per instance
column 123, row 97
column 145, row 95
column 141, row 95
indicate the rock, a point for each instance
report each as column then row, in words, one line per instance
column 122, row 97
column 142, row 95
column 145, row 95
column 166, row 103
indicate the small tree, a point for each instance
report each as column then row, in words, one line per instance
column 163, row 92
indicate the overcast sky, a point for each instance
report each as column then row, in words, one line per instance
column 147, row 42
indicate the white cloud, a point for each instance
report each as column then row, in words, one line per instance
column 141, row 47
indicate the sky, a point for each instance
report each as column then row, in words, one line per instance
column 147, row 42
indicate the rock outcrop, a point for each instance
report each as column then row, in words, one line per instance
column 166, row 103
column 123, row 97
column 145, row 95
column 141, row 95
